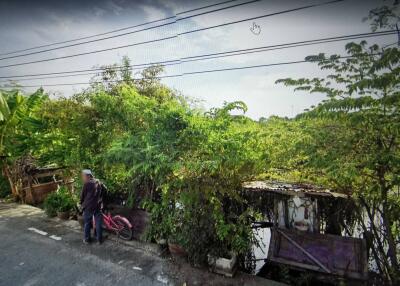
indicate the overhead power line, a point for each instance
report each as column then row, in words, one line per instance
column 204, row 7
column 117, row 30
column 189, row 73
column 208, row 56
column 89, row 53
column 262, row 16
column 166, row 38
column 128, row 33
column 288, row 45
column 389, row 45
column 135, row 66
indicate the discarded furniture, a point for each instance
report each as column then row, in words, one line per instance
column 325, row 253
column 311, row 228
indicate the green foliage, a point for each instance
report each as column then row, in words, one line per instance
column 59, row 201
column 386, row 16
column 4, row 109
column 51, row 204
column 5, row 190
column 19, row 123
column 352, row 140
column 146, row 142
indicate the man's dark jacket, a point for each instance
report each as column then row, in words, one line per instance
column 91, row 196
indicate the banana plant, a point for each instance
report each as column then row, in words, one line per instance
column 17, row 114
column 4, row 110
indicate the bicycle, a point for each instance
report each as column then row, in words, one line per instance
column 117, row 224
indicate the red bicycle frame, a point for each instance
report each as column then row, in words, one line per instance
column 110, row 224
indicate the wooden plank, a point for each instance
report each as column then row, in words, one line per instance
column 34, row 186
column 295, row 264
column 47, row 174
column 309, row 255
column 343, row 256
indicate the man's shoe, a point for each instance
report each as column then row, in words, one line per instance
column 85, row 241
column 100, row 242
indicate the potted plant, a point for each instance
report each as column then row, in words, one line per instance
column 59, row 203
column 66, row 204
column 160, row 227
column 176, row 249
column 51, row 204
column 226, row 265
column 175, row 241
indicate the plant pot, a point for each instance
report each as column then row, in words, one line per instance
column 80, row 220
column 63, row 215
column 222, row 265
column 51, row 214
column 161, row 241
column 176, row 250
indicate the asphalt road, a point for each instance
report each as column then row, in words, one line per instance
column 35, row 252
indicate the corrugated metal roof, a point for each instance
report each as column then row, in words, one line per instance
column 291, row 189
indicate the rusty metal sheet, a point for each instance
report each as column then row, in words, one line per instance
column 291, row 189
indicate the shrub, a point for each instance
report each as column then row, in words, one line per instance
column 67, row 203
column 60, row 201
column 5, row 190
column 51, row 204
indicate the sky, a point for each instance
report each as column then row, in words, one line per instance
column 26, row 24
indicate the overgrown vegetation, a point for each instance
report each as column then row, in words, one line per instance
column 60, row 201
column 186, row 165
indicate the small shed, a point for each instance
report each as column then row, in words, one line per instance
column 294, row 206
column 310, row 228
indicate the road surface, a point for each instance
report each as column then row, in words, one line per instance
column 36, row 250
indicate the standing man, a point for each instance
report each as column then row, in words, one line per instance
column 91, row 200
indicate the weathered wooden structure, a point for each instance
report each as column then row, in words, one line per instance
column 324, row 253
column 32, row 184
column 309, row 224
column 39, row 183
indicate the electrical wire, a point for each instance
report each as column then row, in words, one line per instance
column 135, row 66
column 166, row 38
column 127, row 33
column 88, row 53
column 389, row 45
column 204, row 7
column 187, row 73
column 289, row 45
column 117, row 30
column 262, row 16
column 210, row 55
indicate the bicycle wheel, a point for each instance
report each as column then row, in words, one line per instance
column 126, row 233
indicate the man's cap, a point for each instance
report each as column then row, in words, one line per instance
column 87, row 172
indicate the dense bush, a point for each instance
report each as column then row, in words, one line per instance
column 51, row 204
column 5, row 190
column 59, row 201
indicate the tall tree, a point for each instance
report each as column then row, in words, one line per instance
column 355, row 139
